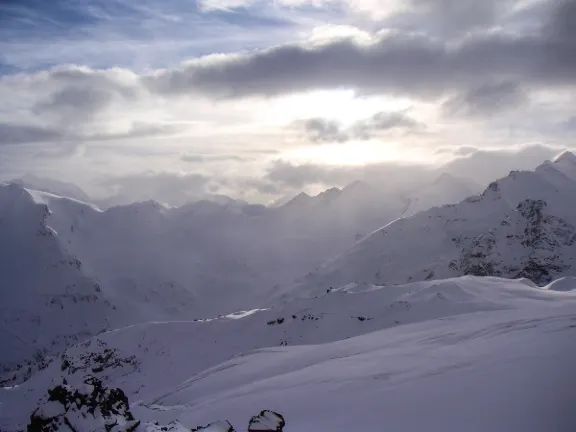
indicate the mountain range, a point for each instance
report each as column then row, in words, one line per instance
column 215, row 311
column 522, row 225
column 144, row 261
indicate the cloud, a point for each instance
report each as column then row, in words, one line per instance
column 481, row 166
column 569, row 125
column 392, row 63
column 21, row 133
column 456, row 150
column 321, row 130
column 29, row 134
column 300, row 176
column 487, row 99
column 201, row 158
column 452, row 17
column 479, row 74
column 384, row 121
column 485, row 166
column 561, row 25
column 166, row 187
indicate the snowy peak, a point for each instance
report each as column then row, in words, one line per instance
column 566, row 157
column 54, row 187
column 48, row 302
column 521, row 226
column 445, row 178
column 329, row 195
column 300, row 199
column 566, row 163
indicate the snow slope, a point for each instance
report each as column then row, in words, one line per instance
column 46, row 300
column 499, row 371
column 199, row 371
column 52, row 186
column 521, row 226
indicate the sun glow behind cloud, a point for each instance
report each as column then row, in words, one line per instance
column 340, row 105
column 355, row 153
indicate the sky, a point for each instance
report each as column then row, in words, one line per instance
column 175, row 100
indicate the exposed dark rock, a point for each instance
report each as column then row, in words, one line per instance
column 92, row 407
column 267, row 421
column 220, row 426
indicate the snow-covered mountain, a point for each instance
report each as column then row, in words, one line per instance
column 46, row 299
column 523, row 225
column 385, row 348
column 137, row 303
column 145, row 261
column 52, row 186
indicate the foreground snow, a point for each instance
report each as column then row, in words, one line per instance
column 497, row 371
column 425, row 356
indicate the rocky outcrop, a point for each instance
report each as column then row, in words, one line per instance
column 536, row 239
column 97, row 361
column 90, row 407
column 220, row 426
column 267, row 421
column 93, row 407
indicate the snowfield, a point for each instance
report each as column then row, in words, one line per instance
column 430, row 354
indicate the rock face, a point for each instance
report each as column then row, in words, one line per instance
column 91, row 407
column 267, row 421
column 538, row 238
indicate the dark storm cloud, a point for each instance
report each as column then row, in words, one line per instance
column 487, row 99
column 396, row 63
column 321, row 130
